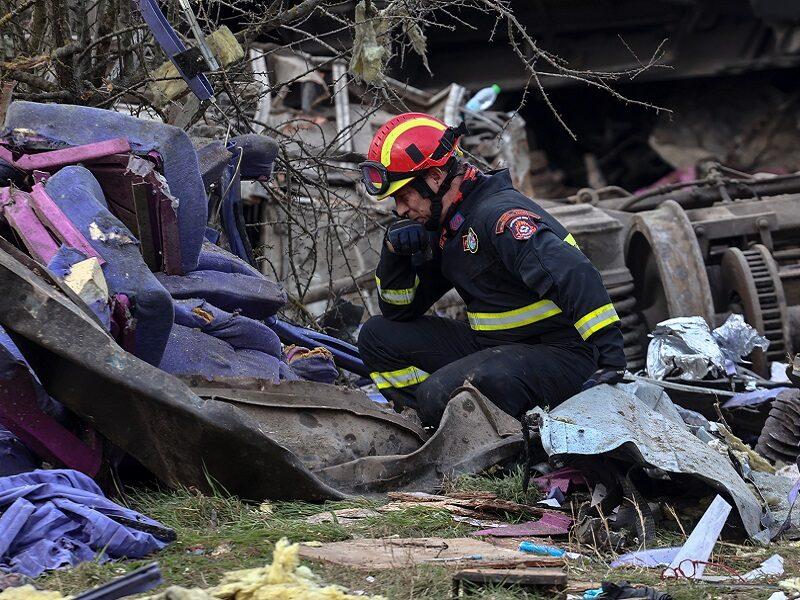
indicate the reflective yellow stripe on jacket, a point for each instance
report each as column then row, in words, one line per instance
column 571, row 240
column 518, row 317
column 401, row 297
column 596, row 320
column 398, row 379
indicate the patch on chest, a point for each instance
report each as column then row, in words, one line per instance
column 520, row 222
column 470, row 241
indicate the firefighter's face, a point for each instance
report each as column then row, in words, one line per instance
column 410, row 204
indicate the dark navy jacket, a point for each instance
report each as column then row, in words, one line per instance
column 518, row 270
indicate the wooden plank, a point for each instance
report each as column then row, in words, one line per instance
column 553, row 580
column 528, row 577
column 398, row 553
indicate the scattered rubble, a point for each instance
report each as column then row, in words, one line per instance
column 138, row 319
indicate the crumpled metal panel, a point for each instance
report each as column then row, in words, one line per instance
column 618, row 420
column 473, row 435
column 180, row 438
column 322, row 424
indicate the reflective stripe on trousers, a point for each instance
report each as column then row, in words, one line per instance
column 596, row 320
column 398, row 379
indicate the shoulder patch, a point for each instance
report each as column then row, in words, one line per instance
column 520, row 222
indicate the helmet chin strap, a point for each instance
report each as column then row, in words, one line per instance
column 419, row 184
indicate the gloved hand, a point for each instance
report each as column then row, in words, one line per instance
column 406, row 237
column 605, row 375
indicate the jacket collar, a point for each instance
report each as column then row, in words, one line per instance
column 489, row 184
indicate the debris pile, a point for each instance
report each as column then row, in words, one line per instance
column 139, row 325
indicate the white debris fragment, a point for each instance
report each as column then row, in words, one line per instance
column 86, row 279
column 777, row 372
column 138, row 166
column 120, row 237
column 772, row 566
column 691, row 560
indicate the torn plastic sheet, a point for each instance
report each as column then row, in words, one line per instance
column 691, row 559
column 684, row 346
column 753, row 398
column 663, row 557
column 657, row 557
column 638, row 423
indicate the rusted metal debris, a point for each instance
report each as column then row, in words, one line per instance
column 780, row 438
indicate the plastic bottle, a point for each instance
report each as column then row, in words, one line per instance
column 484, row 98
column 532, row 548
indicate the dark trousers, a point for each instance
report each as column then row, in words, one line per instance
column 420, row 363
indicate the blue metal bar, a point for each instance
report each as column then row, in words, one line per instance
column 171, row 44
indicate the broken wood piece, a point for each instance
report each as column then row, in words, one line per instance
column 477, row 495
column 397, row 553
column 344, row 516
column 551, row 579
column 475, row 506
column 579, row 587
column 16, row 208
column 417, row 497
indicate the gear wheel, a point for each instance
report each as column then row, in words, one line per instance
column 752, row 287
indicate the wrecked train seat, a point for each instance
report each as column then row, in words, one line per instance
column 67, row 125
column 214, row 159
column 190, row 352
column 258, row 156
column 209, row 342
column 214, row 258
column 78, row 194
column 183, row 440
column 255, row 297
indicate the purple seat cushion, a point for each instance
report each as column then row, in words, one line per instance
column 77, row 193
column 69, row 125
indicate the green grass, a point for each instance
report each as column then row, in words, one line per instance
column 217, row 534
column 506, row 486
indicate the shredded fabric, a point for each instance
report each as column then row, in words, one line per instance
column 55, row 518
column 28, row 592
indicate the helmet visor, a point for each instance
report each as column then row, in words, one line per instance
column 377, row 178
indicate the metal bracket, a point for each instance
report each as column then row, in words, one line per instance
column 190, row 62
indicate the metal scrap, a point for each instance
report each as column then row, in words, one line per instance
column 684, row 347
column 639, row 424
column 780, row 438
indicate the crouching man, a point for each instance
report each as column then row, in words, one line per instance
column 541, row 325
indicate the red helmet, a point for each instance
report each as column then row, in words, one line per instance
column 404, row 148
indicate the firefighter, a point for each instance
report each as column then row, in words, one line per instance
column 540, row 323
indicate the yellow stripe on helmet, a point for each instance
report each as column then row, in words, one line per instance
column 386, row 149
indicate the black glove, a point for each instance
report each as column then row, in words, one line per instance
column 606, row 375
column 406, row 237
